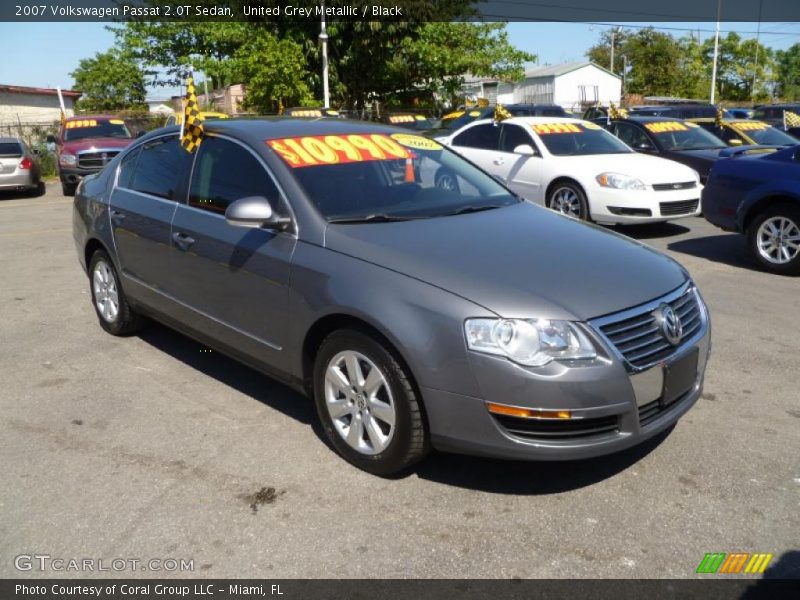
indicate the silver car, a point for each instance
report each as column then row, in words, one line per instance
column 322, row 253
column 19, row 167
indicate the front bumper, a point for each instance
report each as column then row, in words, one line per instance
column 627, row 207
column 74, row 174
column 614, row 406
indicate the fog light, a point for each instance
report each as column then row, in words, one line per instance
column 527, row 413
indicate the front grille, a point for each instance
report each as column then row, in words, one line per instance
column 557, row 429
column 96, row 160
column 682, row 207
column 639, row 338
column 669, row 187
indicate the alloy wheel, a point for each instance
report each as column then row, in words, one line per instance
column 778, row 240
column 566, row 201
column 104, row 286
column 360, row 402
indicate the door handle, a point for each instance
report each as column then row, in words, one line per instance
column 117, row 216
column 499, row 161
column 182, row 240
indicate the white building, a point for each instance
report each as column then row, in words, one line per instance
column 570, row 85
column 33, row 105
column 160, row 107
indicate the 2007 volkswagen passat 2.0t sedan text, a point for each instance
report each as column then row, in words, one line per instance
column 322, row 253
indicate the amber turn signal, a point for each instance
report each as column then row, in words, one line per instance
column 527, row 413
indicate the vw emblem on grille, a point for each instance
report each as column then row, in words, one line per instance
column 676, row 186
column 670, row 323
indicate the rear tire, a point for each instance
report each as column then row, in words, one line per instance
column 108, row 299
column 367, row 404
column 773, row 238
column 68, row 188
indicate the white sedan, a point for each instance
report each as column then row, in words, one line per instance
column 577, row 168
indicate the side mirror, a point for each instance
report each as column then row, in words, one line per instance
column 646, row 148
column 734, row 142
column 254, row 212
column 525, row 150
column 51, row 139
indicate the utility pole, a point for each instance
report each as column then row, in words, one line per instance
column 755, row 65
column 613, row 38
column 323, row 38
column 716, row 55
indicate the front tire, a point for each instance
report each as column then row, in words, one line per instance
column 367, row 404
column 773, row 238
column 108, row 299
column 68, row 189
column 568, row 198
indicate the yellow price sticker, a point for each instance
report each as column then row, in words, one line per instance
column 550, row 128
column 750, row 125
column 590, row 125
column 116, row 121
column 665, row 126
column 416, row 141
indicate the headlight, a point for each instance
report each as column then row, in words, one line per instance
column 67, row 159
column 696, row 175
column 620, row 182
column 529, row 342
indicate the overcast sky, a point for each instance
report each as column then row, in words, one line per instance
column 43, row 54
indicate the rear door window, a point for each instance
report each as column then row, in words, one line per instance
column 160, row 167
column 485, row 137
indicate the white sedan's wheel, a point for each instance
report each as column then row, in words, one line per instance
column 568, row 199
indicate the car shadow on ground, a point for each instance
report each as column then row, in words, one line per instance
column 648, row 231
column 240, row 377
column 531, row 478
column 483, row 474
column 726, row 248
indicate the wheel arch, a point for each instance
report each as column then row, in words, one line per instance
column 329, row 323
column 758, row 206
column 563, row 179
column 92, row 246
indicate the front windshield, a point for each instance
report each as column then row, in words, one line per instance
column 578, row 139
column 386, row 177
column 675, row 135
column 92, row 128
column 765, row 134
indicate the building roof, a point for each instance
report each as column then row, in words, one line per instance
column 21, row 89
column 562, row 69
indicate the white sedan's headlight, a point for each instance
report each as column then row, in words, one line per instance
column 620, row 182
column 68, row 159
column 529, row 342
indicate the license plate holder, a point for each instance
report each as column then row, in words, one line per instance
column 679, row 377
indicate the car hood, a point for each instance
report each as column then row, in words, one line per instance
column 518, row 261
column 96, row 144
column 649, row 169
column 710, row 154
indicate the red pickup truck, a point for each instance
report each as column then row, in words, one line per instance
column 85, row 145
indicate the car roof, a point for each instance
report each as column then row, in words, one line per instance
column 535, row 120
column 268, row 128
column 725, row 121
column 85, row 117
column 645, row 118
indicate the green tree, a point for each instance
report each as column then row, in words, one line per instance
column 600, row 53
column 788, row 72
column 737, row 68
column 110, row 81
column 275, row 72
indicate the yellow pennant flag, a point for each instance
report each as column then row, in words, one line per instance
column 720, row 114
column 500, row 113
column 790, row 119
column 192, row 126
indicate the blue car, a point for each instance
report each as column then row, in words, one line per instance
column 759, row 195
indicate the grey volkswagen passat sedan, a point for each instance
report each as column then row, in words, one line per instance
column 321, row 253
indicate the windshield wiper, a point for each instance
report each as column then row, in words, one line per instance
column 473, row 209
column 373, row 218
